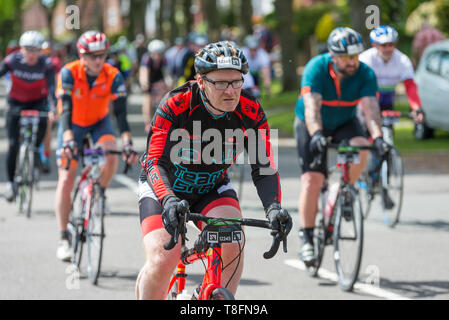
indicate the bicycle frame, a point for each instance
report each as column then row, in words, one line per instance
column 212, row 277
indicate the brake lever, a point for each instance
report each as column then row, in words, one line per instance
column 274, row 248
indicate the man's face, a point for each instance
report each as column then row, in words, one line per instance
column 347, row 64
column 225, row 99
column 385, row 50
column 94, row 61
column 31, row 55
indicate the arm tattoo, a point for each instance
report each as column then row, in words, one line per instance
column 312, row 112
column 371, row 112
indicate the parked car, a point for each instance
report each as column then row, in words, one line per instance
column 432, row 78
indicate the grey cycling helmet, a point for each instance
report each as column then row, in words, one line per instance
column 344, row 41
column 33, row 39
column 220, row 55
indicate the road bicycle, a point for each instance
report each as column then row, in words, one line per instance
column 385, row 177
column 339, row 219
column 28, row 168
column 208, row 247
column 86, row 222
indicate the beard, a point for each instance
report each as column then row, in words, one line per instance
column 348, row 71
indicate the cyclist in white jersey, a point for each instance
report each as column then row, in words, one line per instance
column 391, row 66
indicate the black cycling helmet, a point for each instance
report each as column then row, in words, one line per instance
column 220, row 55
column 344, row 41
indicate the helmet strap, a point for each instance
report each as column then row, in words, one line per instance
column 207, row 101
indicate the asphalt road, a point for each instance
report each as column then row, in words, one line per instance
column 408, row 262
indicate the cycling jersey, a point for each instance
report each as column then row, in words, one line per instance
column 30, row 85
column 339, row 100
column 398, row 69
column 184, row 109
column 90, row 97
column 155, row 67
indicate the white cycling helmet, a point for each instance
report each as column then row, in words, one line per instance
column 156, row 46
column 33, row 39
column 383, row 34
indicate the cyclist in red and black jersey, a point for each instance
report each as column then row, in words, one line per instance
column 32, row 87
column 189, row 150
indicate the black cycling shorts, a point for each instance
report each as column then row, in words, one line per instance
column 347, row 131
column 151, row 210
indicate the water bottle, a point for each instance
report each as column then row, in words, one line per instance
column 184, row 295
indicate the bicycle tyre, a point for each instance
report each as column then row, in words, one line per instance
column 23, row 187
column 76, row 229
column 30, row 162
column 392, row 179
column 348, row 272
column 95, row 234
column 221, row 294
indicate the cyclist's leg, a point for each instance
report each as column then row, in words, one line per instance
column 222, row 202
column 103, row 135
column 66, row 180
column 13, row 129
column 146, row 109
column 154, row 277
column 355, row 133
column 311, row 181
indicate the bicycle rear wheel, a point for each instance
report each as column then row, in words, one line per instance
column 348, row 239
column 392, row 186
column 221, row 294
column 95, row 234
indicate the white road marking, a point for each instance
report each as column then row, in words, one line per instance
column 361, row 287
column 127, row 182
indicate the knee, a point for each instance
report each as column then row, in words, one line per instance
column 312, row 182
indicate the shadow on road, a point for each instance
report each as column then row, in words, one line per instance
column 417, row 289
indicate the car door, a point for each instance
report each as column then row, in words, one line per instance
column 428, row 80
column 443, row 106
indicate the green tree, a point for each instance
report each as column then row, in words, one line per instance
column 442, row 12
column 10, row 13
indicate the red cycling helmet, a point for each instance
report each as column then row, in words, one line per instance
column 92, row 41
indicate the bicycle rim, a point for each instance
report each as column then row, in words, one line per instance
column 221, row 294
column 95, row 235
column 348, row 243
column 391, row 180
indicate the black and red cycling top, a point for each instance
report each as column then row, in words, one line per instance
column 31, row 86
column 174, row 161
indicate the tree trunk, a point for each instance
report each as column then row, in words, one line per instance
column 188, row 18
column 359, row 16
column 284, row 16
column 211, row 15
column 246, row 13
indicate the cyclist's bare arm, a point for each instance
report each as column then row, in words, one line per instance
column 371, row 112
column 312, row 112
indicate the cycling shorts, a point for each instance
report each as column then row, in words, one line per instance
column 151, row 210
column 347, row 131
column 101, row 131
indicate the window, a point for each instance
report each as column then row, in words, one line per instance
column 445, row 66
column 433, row 62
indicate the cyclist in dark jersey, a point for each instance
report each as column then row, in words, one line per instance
column 32, row 87
column 152, row 79
column 178, row 164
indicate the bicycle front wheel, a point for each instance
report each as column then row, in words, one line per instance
column 348, row 238
column 25, row 184
column 95, row 234
column 392, row 187
column 366, row 192
column 75, row 227
column 221, row 294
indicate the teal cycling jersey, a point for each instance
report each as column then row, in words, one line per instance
column 339, row 100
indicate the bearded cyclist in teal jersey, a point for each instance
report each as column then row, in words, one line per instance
column 332, row 86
